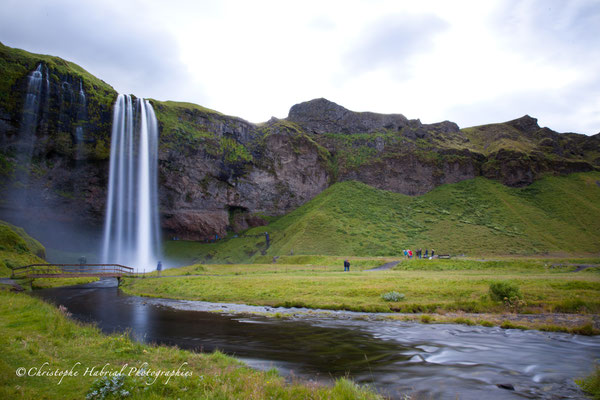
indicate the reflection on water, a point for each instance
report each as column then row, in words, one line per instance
column 437, row 361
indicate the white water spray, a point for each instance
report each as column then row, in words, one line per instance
column 131, row 229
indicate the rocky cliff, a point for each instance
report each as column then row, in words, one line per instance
column 220, row 173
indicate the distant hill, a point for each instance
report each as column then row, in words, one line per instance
column 474, row 217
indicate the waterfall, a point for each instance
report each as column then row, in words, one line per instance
column 81, row 118
column 18, row 196
column 131, row 228
column 31, row 109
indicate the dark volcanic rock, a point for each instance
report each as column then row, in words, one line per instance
column 525, row 124
column 324, row 116
column 410, row 175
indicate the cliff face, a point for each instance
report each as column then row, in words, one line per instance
column 219, row 173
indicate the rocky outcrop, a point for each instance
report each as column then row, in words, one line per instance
column 518, row 169
column 196, row 192
column 525, row 124
column 324, row 116
column 413, row 176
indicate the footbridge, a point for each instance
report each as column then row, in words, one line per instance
column 72, row 271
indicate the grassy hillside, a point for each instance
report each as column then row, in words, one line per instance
column 17, row 248
column 474, row 217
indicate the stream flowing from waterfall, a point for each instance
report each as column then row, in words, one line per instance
column 431, row 361
column 131, row 229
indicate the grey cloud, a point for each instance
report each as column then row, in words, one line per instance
column 563, row 34
column 122, row 49
column 391, row 41
column 557, row 29
column 560, row 110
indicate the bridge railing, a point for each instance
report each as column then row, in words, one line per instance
column 71, row 270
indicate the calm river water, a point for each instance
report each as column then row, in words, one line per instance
column 435, row 361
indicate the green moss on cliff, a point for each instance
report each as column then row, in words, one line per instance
column 16, row 65
column 182, row 126
column 233, row 151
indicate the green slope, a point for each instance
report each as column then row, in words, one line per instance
column 17, row 248
column 474, row 217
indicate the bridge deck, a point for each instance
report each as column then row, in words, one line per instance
column 72, row 271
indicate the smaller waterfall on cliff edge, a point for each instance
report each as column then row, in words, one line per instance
column 17, row 197
column 131, row 228
column 31, row 109
column 81, row 118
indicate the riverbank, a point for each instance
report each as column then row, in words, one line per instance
column 553, row 296
column 41, row 344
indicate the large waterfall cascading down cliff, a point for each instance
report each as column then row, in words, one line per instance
column 131, row 228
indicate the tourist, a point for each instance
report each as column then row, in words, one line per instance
column 406, row 253
column 426, row 253
column 159, row 267
column 432, row 253
column 410, row 253
column 346, row 265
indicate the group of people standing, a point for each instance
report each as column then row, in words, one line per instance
column 418, row 253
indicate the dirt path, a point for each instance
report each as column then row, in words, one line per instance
column 389, row 265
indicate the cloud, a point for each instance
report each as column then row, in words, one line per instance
column 560, row 38
column 571, row 109
column 118, row 43
column 551, row 28
column 392, row 41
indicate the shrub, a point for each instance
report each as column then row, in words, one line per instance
column 393, row 296
column 109, row 388
column 504, row 290
column 591, row 384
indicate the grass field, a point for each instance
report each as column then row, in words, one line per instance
column 33, row 332
column 428, row 286
column 556, row 215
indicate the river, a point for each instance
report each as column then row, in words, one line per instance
column 437, row 361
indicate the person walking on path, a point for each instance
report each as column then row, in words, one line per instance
column 159, row 267
column 410, row 254
column 346, row 265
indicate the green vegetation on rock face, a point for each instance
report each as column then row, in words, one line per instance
column 17, row 64
column 33, row 332
column 17, row 248
column 474, row 217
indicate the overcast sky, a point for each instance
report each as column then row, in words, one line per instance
column 471, row 62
